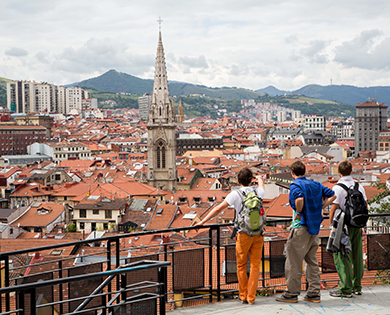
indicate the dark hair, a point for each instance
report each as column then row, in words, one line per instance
column 245, row 176
column 298, row 168
column 345, row 168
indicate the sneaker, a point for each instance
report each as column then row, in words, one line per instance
column 242, row 301
column 358, row 292
column 337, row 293
column 314, row 299
column 283, row 298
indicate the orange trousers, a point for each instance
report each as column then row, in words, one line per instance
column 252, row 245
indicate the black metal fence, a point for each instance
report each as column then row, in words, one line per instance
column 174, row 270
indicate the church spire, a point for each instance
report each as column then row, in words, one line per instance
column 161, row 108
column 161, row 170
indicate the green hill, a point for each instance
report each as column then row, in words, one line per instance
column 115, row 82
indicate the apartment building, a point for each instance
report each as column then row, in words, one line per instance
column 74, row 97
column 63, row 151
column 30, row 97
column 144, row 102
column 46, row 98
column 15, row 139
column 315, row 123
column 21, row 96
column 371, row 118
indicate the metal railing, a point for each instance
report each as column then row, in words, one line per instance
column 112, row 275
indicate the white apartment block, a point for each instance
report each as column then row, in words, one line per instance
column 21, row 97
column 281, row 115
column 30, row 97
column 46, row 98
column 296, row 114
column 144, row 102
column 315, row 123
column 74, row 97
column 267, row 117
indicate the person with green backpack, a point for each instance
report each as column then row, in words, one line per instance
column 249, row 223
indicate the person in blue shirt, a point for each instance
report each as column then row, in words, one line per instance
column 307, row 199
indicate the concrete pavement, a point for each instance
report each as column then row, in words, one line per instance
column 374, row 301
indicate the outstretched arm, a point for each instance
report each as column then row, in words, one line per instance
column 222, row 206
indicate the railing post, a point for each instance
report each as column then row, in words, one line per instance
column 109, row 288
column 162, row 279
column 218, row 264
column 33, row 302
column 61, row 287
column 6, row 283
column 211, row 265
column 117, row 252
column 263, row 264
column 21, row 302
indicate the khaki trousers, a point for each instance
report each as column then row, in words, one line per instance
column 253, row 245
column 302, row 246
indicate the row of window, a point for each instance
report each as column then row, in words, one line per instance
column 107, row 213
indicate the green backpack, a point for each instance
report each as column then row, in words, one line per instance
column 251, row 218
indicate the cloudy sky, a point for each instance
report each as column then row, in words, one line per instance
column 246, row 43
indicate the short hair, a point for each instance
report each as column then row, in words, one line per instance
column 298, row 168
column 345, row 168
column 245, row 176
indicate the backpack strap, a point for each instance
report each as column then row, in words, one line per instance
column 343, row 186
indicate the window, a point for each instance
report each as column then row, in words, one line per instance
column 105, row 226
column 161, row 163
column 58, row 176
column 83, row 213
column 108, row 214
column 82, row 225
column 95, row 212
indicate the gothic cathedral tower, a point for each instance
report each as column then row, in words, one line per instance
column 161, row 172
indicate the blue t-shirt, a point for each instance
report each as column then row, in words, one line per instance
column 313, row 193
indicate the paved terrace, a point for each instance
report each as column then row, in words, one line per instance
column 374, row 301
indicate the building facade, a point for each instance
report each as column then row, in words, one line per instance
column 21, row 96
column 144, row 102
column 371, row 118
column 30, row 97
column 315, row 123
column 161, row 171
column 15, row 139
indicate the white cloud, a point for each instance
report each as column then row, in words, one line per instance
column 367, row 51
column 250, row 43
column 16, row 52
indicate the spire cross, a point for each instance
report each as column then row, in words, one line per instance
column 159, row 22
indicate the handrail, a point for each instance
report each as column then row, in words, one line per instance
column 148, row 264
column 148, row 232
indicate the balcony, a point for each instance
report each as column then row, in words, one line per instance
column 179, row 271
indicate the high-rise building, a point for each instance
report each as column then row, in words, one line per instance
column 296, row 114
column 30, row 97
column 21, row 96
column 144, row 102
column 74, row 96
column 161, row 171
column 371, row 118
column 180, row 113
column 281, row 115
column 46, row 98
column 267, row 117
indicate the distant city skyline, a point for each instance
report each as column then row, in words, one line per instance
column 250, row 44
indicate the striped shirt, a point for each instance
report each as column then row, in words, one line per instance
column 313, row 193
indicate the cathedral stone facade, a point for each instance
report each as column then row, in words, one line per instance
column 161, row 172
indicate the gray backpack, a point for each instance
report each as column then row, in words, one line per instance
column 251, row 218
